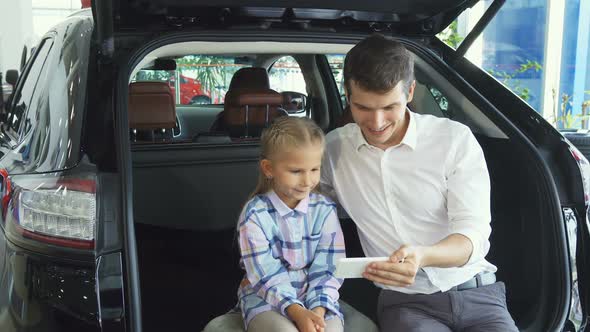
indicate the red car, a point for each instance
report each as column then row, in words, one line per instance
column 191, row 91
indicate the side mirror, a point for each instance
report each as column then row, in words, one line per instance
column 294, row 102
column 12, row 77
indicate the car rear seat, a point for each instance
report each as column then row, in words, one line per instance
column 250, row 106
column 152, row 112
column 249, row 111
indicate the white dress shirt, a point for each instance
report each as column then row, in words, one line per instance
column 433, row 184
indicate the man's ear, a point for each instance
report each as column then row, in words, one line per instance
column 266, row 168
column 411, row 91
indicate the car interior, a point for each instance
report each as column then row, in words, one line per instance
column 194, row 166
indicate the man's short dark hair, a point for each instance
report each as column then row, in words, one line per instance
column 378, row 64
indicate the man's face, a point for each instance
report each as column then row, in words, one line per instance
column 380, row 115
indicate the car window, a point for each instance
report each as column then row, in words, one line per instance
column 285, row 75
column 428, row 99
column 198, row 79
column 336, row 62
column 24, row 94
column 512, row 53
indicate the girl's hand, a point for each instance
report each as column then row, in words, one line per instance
column 306, row 320
column 320, row 311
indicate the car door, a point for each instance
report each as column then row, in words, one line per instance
column 112, row 17
column 420, row 19
column 569, row 169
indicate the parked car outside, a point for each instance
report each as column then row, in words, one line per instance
column 119, row 207
column 191, row 91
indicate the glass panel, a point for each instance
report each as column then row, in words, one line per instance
column 285, row 75
column 510, row 48
column 336, row 62
column 22, row 99
column 202, row 79
column 574, row 98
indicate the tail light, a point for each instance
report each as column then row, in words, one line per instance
column 53, row 208
column 584, row 170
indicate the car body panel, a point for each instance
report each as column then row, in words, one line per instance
column 107, row 280
column 45, row 294
column 565, row 173
column 418, row 16
column 49, row 136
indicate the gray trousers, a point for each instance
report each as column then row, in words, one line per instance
column 477, row 309
column 273, row 321
column 354, row 321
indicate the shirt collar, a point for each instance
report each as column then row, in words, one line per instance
column 409, row 138
column 283, row 209
column 411, row 134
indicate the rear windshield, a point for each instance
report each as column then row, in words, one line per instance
column 205, row 79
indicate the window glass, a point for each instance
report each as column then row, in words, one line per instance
column 23, row 97
column 509, row 48
column 198, row 79
column 336, row 62
column 285, row 75
column 54, row 112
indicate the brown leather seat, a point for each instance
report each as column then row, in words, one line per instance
column 152, row 111
column 248, row 111
column 250, row 105
column 252, row 77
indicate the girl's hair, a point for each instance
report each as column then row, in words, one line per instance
column 283, row 134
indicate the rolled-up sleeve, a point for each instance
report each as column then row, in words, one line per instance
column 267, row 275
column 323, row 285
column 468, row 185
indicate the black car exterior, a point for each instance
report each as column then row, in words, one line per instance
column 64, row 153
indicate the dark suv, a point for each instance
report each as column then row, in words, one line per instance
column 119, row 208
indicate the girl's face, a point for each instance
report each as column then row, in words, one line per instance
column 294, row 172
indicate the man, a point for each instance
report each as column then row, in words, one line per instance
column 418, row 189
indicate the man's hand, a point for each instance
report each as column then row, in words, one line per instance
column 401, row 268
column 306, row 320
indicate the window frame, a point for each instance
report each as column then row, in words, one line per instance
column 14, row 138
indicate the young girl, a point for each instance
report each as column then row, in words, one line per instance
column 290, row 237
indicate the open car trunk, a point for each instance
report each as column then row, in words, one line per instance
column 187, row 196
column 188, row 255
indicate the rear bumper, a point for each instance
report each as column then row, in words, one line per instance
column 41, row 293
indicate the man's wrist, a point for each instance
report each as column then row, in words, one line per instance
column 425, row 255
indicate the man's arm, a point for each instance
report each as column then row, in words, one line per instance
column 403, row 264
column 468, row 203
column 452, row 251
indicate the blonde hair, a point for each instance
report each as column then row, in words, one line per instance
column 283, row 134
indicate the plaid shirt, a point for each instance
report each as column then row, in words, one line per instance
column 289, row 255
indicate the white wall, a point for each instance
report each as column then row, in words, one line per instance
column 16, row 28
column 47, row 13
column 23, row 22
